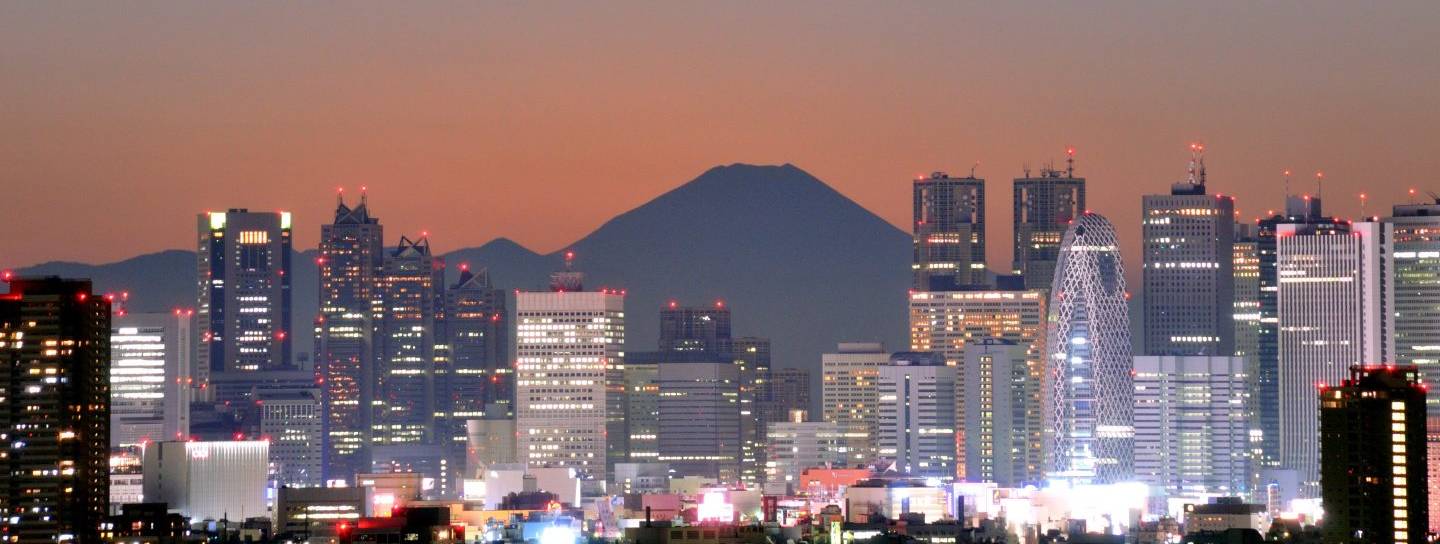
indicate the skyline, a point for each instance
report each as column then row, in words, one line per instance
column 422, row 109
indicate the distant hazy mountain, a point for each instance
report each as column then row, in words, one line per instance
column 795, row 260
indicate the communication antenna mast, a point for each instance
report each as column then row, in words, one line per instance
column 1070, row 162
column 1196, row 171
column 1287, row 184
column 973, row 167
column 1320, row 186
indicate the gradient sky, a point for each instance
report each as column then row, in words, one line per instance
column 538, row 121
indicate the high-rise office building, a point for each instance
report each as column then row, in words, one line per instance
column 752, row 356
column 1331, row 316
column 789, row 390
column 1298, row 210
column 569, row 384
column 949, row 232
column 850, row 391
column 699, row 406
column 1044, row 206
column 1089, row 406
column 796, row 445
column 1373, row 457
column 411, row 292
column 642, row 408
column 54, row 410
column 1188, row 266
column 1002, row 413
column 479, row 381
column 695, row 328
column 350, row 255
column 1413, row 242
column 1245, row 259
column 150, row 377
column 293, row 424
column 915, row 427
column 949, row 323
column 1191, row 425
column 489, row 441
column 244, row 292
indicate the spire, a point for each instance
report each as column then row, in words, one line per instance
column 363, row 194
column 1070, row 162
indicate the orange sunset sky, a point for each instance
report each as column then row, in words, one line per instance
column 539, row 121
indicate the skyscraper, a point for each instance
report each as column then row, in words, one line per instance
column 642, row 408
column 1413, row 241
column 796, row 445
column 949, row 232
column 1331, row 316
column 1002, row 413
column 916, row 425
column 292, row 423
column 950, row 323
column 1089, row 408
column 699, row 401
column 479, row 382
column 54, row 410
column 244, row 292
column 1044, row 206
column 411, row 292
column 150, row 377
column 752, row 356
column 1188, row 268
column 569, row 385
column 695, row 328
column 1191, row 426
column 1298, row 210
column 1373, row 456
column 350, row 255
column 850, row 389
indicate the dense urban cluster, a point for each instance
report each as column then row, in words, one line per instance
column 1266, row 382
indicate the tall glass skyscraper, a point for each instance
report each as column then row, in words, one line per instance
column 949, row 232
column 1331, row 317
column 351, row 250
column 243, row 292
column 478, row 382
column 1413, row 236
column 1044, row 207
column 411, row 294
column 1089, row 408
column 1188, row 266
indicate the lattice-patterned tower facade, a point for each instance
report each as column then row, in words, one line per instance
column 1089, row 413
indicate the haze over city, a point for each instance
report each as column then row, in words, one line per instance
column 539, row 122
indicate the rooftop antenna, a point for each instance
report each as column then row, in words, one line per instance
column 1320, row 186
column 1025, row 166
column 1363, row 197
column 1195, row 173
column 363, row 193
column 973, row 167
column 1287, row 184
column 1070, row 162
column 340, row 196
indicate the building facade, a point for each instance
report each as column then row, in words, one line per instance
column 54, row 410
column 1191, row 424
column 569, row 351
column 1044, row 207
column 351, row 251
column 293, row 423
column 949, row 323
column 850, row 391
column 243, row 293
column 699, row 402
column 479, row 382
column 1088, row 405
column 1331, row 316
column 916, row 420
column 209, row 480
column 695, row 328
column 412, row 296
column 1002, row 411
column 1413, row 242
column 798, row 445
column 1188, row 268
column 949, row 232
column 150, row 357
column 1373, row 456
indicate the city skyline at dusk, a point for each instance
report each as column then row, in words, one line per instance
column 539, row 123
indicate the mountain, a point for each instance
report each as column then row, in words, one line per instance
column 795, row 260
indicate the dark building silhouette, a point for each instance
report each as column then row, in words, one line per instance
column 54, row 410
column 350, row 255
column 695, row 328
column 789, row 390
column 479, row 382
column 1044, row 206
column 949, row 232
column 244, row 292
column 752, row 355
column 411, row 296
column 1373, row 456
